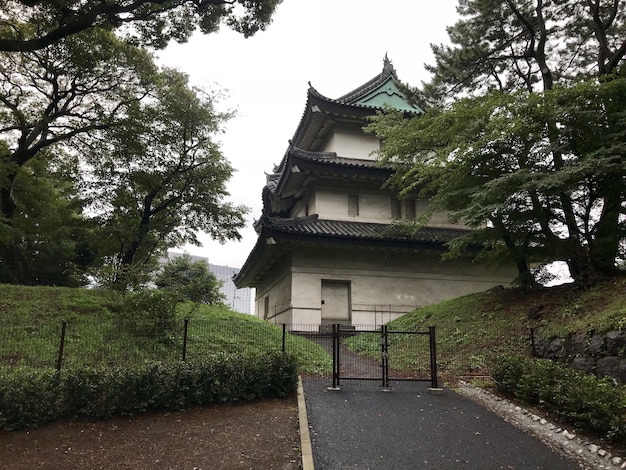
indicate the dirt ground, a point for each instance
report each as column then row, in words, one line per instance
column 259, row 435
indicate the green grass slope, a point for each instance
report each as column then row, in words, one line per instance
column 472, row 329
column 100, row 330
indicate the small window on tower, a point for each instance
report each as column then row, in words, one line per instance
column 353, row 205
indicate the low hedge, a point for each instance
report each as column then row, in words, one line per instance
column 582, row 400
column 34, row 396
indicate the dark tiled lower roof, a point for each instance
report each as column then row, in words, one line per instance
column 276, row 234
column 314, row 227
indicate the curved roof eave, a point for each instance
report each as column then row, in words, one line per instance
column 275, row 232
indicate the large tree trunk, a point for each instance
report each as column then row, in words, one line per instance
column 12, row 263
column 124, row 277
column 12, row 268
column 605, row 245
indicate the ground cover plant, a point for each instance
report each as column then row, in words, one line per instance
column 594, row 405
column 30, row 396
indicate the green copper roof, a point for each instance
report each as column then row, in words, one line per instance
column 387, row 94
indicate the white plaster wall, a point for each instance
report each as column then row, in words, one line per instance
column 305, row 298
column 312, row 203
column 375, row 207
column 333, row 205
column 305, row 206
column 279, row 293
column 352, row 144
column 384, row 287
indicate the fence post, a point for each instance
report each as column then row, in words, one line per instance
column 284, row 333
column 61, row 346
column 433, row 357
column 384, row 345
column 532, row 341
column 335, row 355
column 185, row 329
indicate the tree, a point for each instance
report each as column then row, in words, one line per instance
column 158, row 178
column 488, row 161
column 52, row 97
column 529, row 45
column 30, row 25
column 191, row 281
column 524, row 157
column 53, row 237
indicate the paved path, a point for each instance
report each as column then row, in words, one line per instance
column 363, row 427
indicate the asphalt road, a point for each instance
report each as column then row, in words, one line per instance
column 364, row 427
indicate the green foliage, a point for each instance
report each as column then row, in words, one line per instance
column 141, row 171
column 160, row 178
column 522, row 141
column 499, row 164
column 49, row 102
column 189, row 281
column 32, row 26
column 151, row 314
column 52, row 236
column 30, row 397
column 590, row 404
column 519, row 45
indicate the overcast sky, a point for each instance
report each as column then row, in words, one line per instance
column 336, row 45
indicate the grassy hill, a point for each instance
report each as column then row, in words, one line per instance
column 101, row 328
column 470, row 329
column 474, row 328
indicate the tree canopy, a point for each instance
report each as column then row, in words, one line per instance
column 105, row 160
column 50, row 99
column 524, row 136
column 527, row 45
column 140, row 146
column 190, row 281
column 30, row 25
column 158, row 177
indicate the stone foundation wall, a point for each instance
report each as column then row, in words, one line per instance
column 603, row 355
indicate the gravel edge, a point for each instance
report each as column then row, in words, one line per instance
column 587, row 454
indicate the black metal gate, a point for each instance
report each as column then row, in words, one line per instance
column 391, row 365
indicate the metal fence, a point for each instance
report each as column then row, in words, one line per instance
column 113, row 342
column 120, row 342
column 463, row 350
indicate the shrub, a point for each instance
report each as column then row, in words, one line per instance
column 584, row 401
column 29, row 397
column 151, row 314
column 507, row 372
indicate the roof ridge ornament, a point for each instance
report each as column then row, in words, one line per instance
column 388, row 66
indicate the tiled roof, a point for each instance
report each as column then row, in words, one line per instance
column 332, row 158
column 312, row 226
column 353, row 96
column 383, row 90
column 274, row 232
column 321, row 162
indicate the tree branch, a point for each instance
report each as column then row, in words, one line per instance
column 110, row 13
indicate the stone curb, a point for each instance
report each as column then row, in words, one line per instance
column 305, row 436
column 588, row 454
